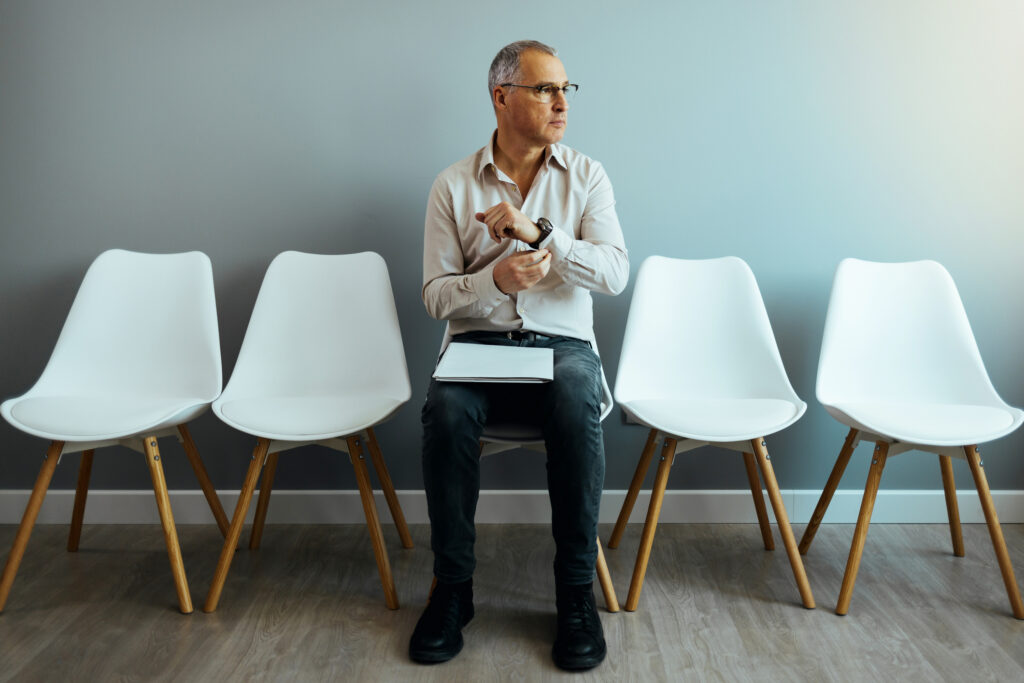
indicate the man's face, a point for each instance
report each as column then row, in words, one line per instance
column 526, row 116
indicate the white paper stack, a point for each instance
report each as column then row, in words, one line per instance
column 487, row 363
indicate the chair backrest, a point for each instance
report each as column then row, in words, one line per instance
column 698, row 329
column 322, row 323
column 140, row 324
column 899, row 332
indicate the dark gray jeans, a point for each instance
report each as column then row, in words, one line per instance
column 569, row 411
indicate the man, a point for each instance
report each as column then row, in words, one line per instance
column 517, row 236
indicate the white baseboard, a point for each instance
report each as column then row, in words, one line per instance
column 514, row 507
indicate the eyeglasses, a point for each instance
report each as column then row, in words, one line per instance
column 546, row 93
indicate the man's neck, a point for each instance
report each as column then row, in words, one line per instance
column 520, row 161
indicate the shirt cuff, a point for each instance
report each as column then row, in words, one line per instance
column 486, row 290
column 559, row 243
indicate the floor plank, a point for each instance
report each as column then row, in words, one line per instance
column 308, row 606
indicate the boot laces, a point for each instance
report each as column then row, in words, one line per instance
column 577, row 611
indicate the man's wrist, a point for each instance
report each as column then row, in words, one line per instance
column 544, row 229
column 497, row 286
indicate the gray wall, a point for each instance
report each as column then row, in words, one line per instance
column 791, row 134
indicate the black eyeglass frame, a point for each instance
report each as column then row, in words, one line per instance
column 568, row 91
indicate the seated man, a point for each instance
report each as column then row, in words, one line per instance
column 517, row 236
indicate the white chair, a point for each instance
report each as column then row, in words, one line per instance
column 322, row 363
column 500, row 436
column 138, row 357
column 899, row 366
column 700, row 366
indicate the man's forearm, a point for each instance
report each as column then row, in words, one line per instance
column 598, row 267
column 449, row 297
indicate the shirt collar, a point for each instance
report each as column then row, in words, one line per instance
column 551, row 153
column 554, row 154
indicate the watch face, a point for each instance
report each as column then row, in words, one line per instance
column 545, row 229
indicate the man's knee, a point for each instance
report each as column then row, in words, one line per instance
column 452, row 408
column 577, row 380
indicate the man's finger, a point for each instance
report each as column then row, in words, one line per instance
column 492, row 213
column 487, row 216
column 535, row 261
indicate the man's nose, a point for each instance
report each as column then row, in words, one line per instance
column 561, row 102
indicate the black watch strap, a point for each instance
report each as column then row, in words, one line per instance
column 545, row 229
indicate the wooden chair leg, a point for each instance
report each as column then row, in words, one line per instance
column 163, row 504
column 355, row 453
column 204, row 480
column 668, row 454
column 28, row 520
column 84, row 470
column 227, row 552
column 759, row 506
column 605, row 578
column 389, row 489
column 634, row 489
column 263, row 502
column 830, row 488
column 863, row 520
column 782, row 519
column 952, row 509
column 995, row 531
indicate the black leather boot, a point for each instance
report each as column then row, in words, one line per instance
column 580, row 641
column 438, row 634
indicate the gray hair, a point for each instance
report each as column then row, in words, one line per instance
column 505, row 67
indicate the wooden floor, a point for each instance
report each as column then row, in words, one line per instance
column 308, row 606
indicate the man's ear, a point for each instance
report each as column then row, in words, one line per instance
column 498, row 98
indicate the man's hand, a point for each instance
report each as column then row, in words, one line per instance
column 504, row 220
column 521, row 270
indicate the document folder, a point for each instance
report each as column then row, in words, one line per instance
column 489, row 363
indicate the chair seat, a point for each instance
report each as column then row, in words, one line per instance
column 934, row 424
column 90, row 418
column 511, row 432
column 716, row 419
column 296, row 418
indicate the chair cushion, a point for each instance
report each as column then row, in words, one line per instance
column 305, row 417
column 512, row 432
column 934, row 424
column 83, row 418
column 716, row 419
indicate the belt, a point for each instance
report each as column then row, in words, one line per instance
column 514, row 335
column 526, row 335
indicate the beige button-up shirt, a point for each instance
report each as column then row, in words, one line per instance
column 587, row 250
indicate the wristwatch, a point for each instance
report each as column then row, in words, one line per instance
column 545, row 227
